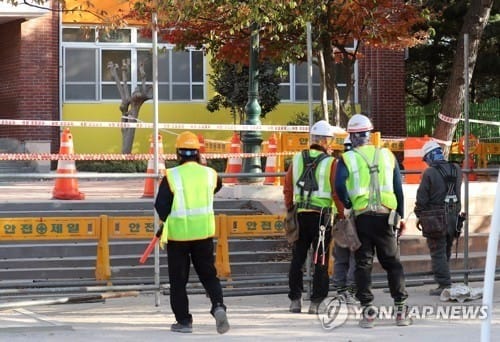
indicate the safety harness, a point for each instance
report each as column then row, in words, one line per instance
column 307, row 183
column 374, row 199
column 451, row 202
column 307, row 180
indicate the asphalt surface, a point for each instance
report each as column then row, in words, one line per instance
column 255, row 318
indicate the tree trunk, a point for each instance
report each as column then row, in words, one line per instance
column 322, row 83
column 331, row 79
column 475, row 20
column 130, row 105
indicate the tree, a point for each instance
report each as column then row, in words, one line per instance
column 428, row 66
column 222, row 27
column 130, row 103
column 475, row 21
column 230, row 82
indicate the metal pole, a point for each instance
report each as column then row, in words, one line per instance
column 309, row 74
column 155, row 139
column 489, row 271
column 466, row 163
column 252, row 139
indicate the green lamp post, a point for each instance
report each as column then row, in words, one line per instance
column 252, row 139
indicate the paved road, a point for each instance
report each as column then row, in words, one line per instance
column 256, row 318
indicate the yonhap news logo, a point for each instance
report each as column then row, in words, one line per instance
column 335, row 312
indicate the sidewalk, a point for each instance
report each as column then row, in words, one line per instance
column 255, row 318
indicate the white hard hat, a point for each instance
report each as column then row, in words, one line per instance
column 322, row 128
column 429, row 147
column 359, row 123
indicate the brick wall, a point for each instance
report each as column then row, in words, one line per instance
column 382, row 92
column 31, row 52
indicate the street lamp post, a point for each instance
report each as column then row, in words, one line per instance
column 252, row 139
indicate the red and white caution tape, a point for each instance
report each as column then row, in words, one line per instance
column 184, row 126
column 127, row 157
column 448, row 119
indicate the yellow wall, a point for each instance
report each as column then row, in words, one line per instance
column 108, row 140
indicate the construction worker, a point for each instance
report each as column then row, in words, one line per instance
column 309, row 184
column 439, row 190
column 185, row 204
column 368, row 182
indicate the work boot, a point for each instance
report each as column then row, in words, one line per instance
column 182, row 328
column 221, row 322
column 437, row 291
column 369, row 314
column 403, row 318
column 296, row 305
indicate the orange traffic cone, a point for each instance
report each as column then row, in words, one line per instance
column 149, row 183
column 66, row 188
column 233, row 163
column 271, row 166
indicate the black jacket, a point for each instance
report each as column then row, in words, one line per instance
column 433, row 189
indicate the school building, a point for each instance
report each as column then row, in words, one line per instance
column 53, row 70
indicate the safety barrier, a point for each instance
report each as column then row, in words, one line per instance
column 105, row 228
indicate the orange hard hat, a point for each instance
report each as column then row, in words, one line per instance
column 187, row 140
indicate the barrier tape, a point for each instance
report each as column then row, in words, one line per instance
column 128, row 157
column 454, row 121
column 448, row 119
column 494, row 123
column 184, row 126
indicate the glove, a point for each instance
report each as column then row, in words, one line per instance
column 347, row 213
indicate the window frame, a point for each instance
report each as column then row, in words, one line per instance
column 133, row 47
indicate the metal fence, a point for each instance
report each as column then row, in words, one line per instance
column 421, row 120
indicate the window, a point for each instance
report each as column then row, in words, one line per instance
column 80, row 80
column 294, row 86
column 181, row 74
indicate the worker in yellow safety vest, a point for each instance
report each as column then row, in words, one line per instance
column 184, row 204
column 368, row 182
column 309, row 189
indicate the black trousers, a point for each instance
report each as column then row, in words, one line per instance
column 440, row 250
column 377, row 236
column 309, row 223
column 201, row 253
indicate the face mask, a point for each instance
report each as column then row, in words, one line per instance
column 434, row 155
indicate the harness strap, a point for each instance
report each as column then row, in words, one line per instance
column 374, row 198
column 308, row 180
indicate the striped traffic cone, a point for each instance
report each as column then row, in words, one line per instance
column 271, row 166
column 149, row 183
column 66, row 188
column 233, row 163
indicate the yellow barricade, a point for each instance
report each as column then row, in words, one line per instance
column 49, row 228
column 243, row 226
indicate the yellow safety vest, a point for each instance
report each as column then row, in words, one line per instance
column 321, row 198
column 358, row 182
column 192, row 214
